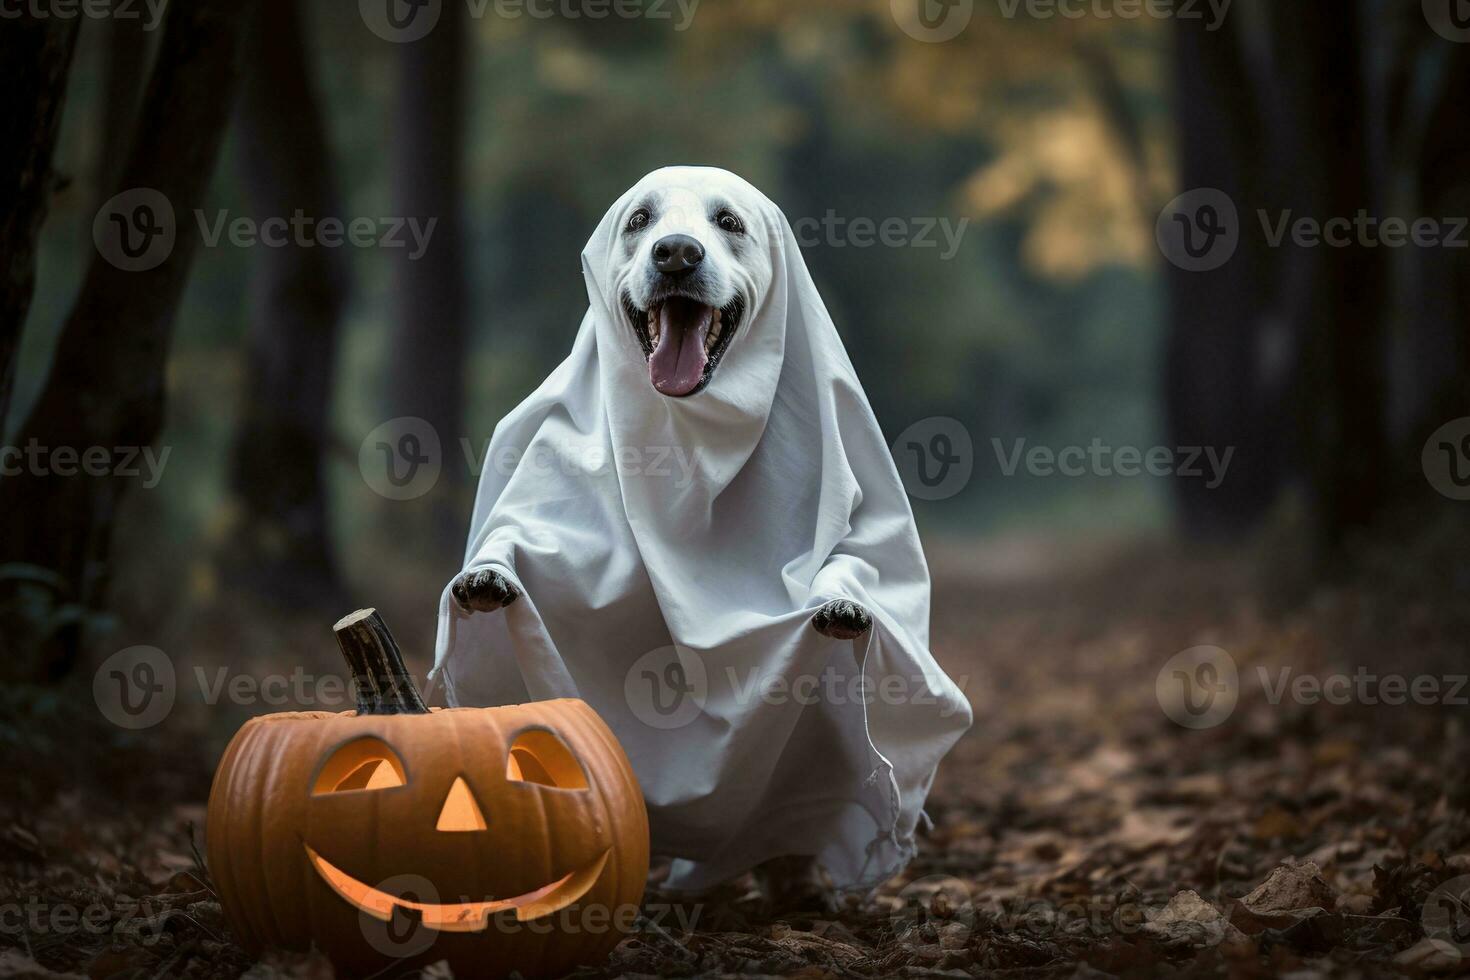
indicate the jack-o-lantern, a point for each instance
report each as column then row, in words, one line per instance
column 499, row 839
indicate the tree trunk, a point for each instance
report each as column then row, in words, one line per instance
column 283, row 545
column 1216, row 392
column 106, row 386
column 35, row 58
column 124, row 70
column 427, row 347
column 1441, row 336
column 1335, row 293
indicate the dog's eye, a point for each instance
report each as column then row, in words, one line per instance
column 729, row 222
column 638, row 220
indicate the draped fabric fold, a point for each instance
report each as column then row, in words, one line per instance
column 671, row 553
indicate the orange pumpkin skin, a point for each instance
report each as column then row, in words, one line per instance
column 285, row 813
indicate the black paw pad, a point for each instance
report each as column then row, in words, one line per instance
column 842, row 619
column 483, row 590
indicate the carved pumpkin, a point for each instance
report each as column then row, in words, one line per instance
column 499, row 839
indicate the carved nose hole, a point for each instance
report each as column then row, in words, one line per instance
column 460, row 811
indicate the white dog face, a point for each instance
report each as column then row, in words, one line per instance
column 692, row 262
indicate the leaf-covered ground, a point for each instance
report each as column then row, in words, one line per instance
column 1078, row 830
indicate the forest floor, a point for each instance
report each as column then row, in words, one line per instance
column 1079, row 831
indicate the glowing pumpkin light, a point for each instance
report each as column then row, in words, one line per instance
column 499, row 839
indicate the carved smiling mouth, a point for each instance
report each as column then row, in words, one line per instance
column 461, row 916
column 683, row 340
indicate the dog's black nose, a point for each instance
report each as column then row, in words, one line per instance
column 677, row 254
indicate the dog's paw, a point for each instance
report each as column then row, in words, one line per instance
column 483, row 590
column 842, row 619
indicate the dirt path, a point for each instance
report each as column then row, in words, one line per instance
column 1078, row 829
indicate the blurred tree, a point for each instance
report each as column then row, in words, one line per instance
column 1216, row 392
column 124, row 71
column 1047, row 136
column 1433, row 376
column 428, row 332
column 282, row 541
column 106, row 387
column 35, row 58
column 1283, row 352
column 1334, row 301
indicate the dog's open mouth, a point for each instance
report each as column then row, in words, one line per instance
column 683, row 341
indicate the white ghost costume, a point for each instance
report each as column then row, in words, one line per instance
column 671, row 553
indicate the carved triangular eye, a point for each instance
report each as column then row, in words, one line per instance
column 364, row 764
column 538, row 756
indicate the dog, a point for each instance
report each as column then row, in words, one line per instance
column 688, row 274
column 687, row 271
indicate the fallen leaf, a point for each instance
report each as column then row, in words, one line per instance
column 1189, row 920
column 1291, row 888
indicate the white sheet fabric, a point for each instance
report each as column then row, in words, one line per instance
column 672, row 552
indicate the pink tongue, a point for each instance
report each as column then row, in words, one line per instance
column 677, row 364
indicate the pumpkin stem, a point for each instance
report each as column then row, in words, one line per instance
column 384, row 686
